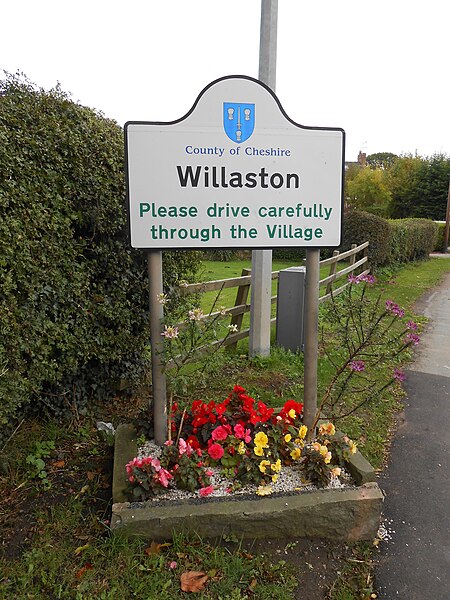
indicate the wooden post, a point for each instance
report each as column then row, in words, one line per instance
column 447, row 223
column 332, row 272
column 241, row 298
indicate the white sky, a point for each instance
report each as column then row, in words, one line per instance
column 380, row 70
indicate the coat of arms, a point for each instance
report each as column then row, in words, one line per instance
column 238, row 120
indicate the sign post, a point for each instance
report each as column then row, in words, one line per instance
column 261, row 305
column 235, row 171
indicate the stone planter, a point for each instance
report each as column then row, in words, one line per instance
column 349, row 514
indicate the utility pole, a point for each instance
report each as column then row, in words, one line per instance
column 447, row 222
column 259, row 343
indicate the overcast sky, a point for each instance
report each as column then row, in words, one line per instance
column 380, row 70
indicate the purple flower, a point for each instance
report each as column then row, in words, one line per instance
column 394, row 309
column 352, row 279
column 411, row 325
column 357, row 365
column 399, row 375
column 412, row 338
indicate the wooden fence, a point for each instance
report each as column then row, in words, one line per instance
column 243, row 283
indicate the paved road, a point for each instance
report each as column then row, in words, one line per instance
column 415, row 558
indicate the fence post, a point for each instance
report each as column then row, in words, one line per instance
column 332, row 272
column 241, row 298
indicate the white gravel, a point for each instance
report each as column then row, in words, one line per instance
column 288, row 481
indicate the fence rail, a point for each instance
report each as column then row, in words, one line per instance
column 243, row 284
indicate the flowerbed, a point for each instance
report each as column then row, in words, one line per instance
column 248, row 442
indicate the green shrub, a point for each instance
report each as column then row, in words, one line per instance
column 439, row 246
column 412, row 239
column 73, row 316
column 360, row 227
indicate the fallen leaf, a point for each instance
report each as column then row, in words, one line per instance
column 81, row 549
column 155, row 548
column 59, row 464
column 193, row 581
column 82, row 571
column 90, row 475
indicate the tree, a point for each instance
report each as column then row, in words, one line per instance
column 419, row 187
column 381, row 160
column 368, row 191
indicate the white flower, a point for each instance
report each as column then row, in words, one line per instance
column 233, row 328
column 170, row 333
column 162, row 299
column 196, row 314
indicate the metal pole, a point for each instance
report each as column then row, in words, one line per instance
column 155, row 278
column 259, row 343
column 311, row 335
column 447, row 222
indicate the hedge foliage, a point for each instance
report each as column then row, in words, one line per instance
column 74, row 295
column 390, row 242
column 412, row 239
column 360, row 227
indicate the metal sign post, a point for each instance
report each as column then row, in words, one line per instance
column 155, row 278
column 260, row 308
column 311, row 335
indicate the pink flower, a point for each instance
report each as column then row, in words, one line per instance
column 411, row 325
column 210, row 472
column 241, row 433
column 357, row 365
column 220, row 433
column 206, row 491
column 412, row 338
column 394, row 309
column 215, row 451
column 173, row 564
column 399, row 375
column 163, row 477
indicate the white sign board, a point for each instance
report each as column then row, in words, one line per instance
column 234, row 172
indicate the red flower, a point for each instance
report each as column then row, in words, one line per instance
column 221, row 433
column 215, row 451
column 193, row 442
column 206, row 491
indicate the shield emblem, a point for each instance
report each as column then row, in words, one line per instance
column 238, row 120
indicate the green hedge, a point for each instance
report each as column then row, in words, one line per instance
column 439, row 246
column 73, row 315
column 360, row 227
column 412, row 239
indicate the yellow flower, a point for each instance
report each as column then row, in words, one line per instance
column 264, row 490
column 296, row 453
column 263, row 464
column 299, row 442
column 327, row 458
column 336, row 471
column 274, row 478
column 288, row 437
column 258, row 451
column 327, row 429
column 241, row 448
column 316, row 446
column 352, row 447
column 261, row 439
column 302, row 431
column 292, row 413
column 323, row 450
column 276, row 466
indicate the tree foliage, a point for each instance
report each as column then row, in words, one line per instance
column 419, row 187
column 73, row 316
column 381, row 160
column 368, row 190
